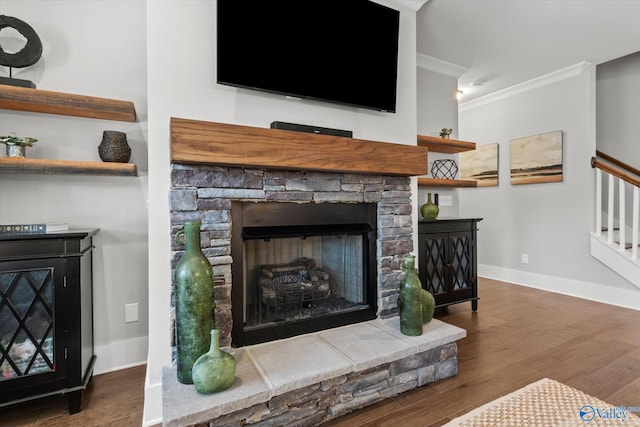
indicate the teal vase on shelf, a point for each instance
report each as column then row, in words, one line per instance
column 214, row 371
column 429, row 210
column 416, row 305
column 194, row 302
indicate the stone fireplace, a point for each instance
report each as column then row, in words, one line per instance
column 290, row 222
column 217, row 166
column 208, row 194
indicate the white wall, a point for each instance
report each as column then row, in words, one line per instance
column 437, row 109
column 549, row 222
column 94, row 48
column 182, row 83
column 618, row 107
column 618, row 127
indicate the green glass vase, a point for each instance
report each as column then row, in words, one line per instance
column 214, row 371
column 416, row 305
column 429, row 210
column 428, row 306
column 194, row 302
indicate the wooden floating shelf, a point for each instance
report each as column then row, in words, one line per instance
column 21, row 165
column 210, row 143
column 44, row 101
column 434, row 182
column 447, row 146
column 444, row 145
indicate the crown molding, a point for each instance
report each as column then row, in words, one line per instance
column 544, row 80
column 436, row 65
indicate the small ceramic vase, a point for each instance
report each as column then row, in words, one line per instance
column 429, row 210
column 15, row 151
column 114, row 147
column 428, row 306
column 214, row 371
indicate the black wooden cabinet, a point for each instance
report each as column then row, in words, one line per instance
column 46, row 316
column 447, row 260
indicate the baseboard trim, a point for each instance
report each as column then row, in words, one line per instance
column 121, row 355
column 152, row 415
column 627, row 298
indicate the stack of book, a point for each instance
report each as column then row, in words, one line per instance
column 33, row 228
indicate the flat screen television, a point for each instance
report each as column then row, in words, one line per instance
column 344, row 52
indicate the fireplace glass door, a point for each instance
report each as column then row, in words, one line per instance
column 301, row 276
column 293, row 278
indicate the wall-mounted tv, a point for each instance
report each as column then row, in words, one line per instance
column 343, row 52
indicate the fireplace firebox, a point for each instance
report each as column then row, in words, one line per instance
column 300, row 268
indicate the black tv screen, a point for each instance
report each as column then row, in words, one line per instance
column 343, row 52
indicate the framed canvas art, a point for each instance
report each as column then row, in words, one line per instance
column 537, row 159
column 480, row 165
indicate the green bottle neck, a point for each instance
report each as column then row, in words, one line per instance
column 192, row 236
column 409, row 264
column 215, row 343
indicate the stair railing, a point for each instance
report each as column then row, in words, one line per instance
column 623, row 174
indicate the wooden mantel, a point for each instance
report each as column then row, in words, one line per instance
column 210, row 143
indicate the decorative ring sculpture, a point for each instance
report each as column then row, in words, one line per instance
column 30, row 53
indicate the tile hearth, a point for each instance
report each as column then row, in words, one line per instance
column 338, row 370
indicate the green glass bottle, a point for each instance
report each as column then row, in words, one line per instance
column 429, row 210
column 214, row 371
column 194, row 302
column 410, row 299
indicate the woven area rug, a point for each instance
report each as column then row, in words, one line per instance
column 549, row 403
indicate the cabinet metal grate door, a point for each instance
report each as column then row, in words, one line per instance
column 26, row 323
column 436, row 258
column 461, row 261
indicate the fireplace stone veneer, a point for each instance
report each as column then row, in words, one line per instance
column 206, row 193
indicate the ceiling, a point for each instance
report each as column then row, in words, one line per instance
column 500, row 43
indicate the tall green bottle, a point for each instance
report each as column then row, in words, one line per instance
column 194, row 302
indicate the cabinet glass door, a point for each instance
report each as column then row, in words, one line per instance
column 27, row 321
column 434, row 262
column 461, row 260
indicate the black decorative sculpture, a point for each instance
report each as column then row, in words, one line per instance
column 28, row 55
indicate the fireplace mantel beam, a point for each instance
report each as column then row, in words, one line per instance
column 211, row 143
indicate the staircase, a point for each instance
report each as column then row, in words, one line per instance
column 616, row 244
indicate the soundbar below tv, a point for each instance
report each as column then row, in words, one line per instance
column 311, row 129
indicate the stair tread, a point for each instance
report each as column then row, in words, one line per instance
column 627, row 245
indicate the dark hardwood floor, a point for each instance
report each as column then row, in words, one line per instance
column 517, row 336
column 114, row 399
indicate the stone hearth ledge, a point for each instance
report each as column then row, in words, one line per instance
column 271, row 369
